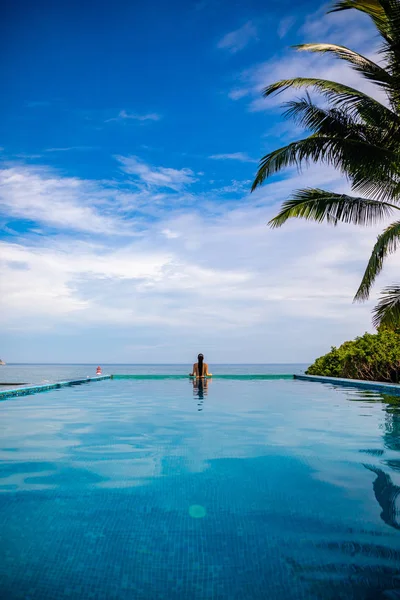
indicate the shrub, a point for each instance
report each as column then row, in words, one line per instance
column 373, row 357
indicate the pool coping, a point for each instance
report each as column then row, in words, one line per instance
column 359, row 383
column 33, row 389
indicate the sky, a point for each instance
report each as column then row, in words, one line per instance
column 130, row 135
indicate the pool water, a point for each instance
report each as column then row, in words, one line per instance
column 147, row 490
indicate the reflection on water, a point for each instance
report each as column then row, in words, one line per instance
column 386, row 492
column 387, row 495
column 200, row 389
column 392, row 423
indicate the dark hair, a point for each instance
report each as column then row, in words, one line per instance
column 200, row 359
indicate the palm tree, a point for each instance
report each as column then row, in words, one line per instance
column 358, row 135
column 387, row 312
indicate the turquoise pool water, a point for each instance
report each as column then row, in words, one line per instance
column 159, row 489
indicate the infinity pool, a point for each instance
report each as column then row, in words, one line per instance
column 239, row 490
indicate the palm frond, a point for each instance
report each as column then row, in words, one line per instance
column 391, row 9
column 385, row 15
column 319, row 205
column 371, row 128
column 373, row 8
column 387, row 311
column 359, row 160
column 322, row 85
column 386, row 243
column 339, row 123
column 368, row 69
column 369, row 185
column 319, row 120
column 338, row 94
column 346, row 98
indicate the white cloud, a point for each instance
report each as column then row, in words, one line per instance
column 302, row 65
column 96, row 284
column 354, row 33
column 169, row 234
column 238, row 39
column 217, row 264
column 41, row 195
column 238, row 94
column 69, row 148
column 350, row 28
column 234, row 187
column 284, row 130
column 240, row 156
column 285, row 26
column 159, row 177
column 225, row 270
column 123, row 115
column 27, row 156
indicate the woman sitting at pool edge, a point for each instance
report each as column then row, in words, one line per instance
column 200, row 369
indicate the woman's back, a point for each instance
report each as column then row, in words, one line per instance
column 204, row 370
column 200, row 369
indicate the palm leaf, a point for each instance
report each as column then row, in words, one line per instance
column 355, row 102
column 338, row 94
column 332, row 121
column 385, row 15
column 325, row 86
column 319, row 205
column 387, row 311
column 391, row 9
column 386, row 244
column 356, row 134
column 369, row 69
column 339, row 122
column 362, row 161
column 373, row 8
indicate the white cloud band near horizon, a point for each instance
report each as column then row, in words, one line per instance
column 224, row 270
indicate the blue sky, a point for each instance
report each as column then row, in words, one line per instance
column 129, row 137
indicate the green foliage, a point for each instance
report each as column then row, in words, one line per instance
column 374, row 357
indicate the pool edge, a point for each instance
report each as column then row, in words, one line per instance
column 34, row 389
column 359, row 383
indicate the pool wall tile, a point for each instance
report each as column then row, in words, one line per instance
column 369, row 385
column 34, row 389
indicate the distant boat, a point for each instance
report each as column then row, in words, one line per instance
column 2, row 362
